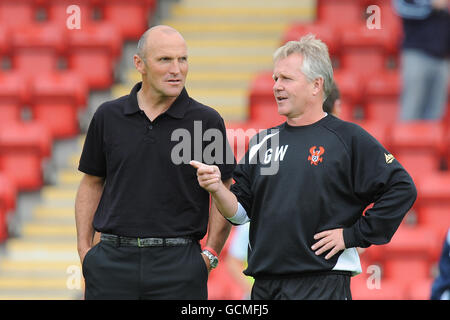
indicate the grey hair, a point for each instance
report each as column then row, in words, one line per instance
column 316, row 59
column 140, row 50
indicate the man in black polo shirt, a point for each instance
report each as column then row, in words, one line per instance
column 139, row 193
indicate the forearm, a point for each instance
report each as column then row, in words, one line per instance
column 219, row 227
column 86, row 203
column 380, row 222
column 225, row 201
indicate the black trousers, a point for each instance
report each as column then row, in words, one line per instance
column 125, row 272
column 308, row 287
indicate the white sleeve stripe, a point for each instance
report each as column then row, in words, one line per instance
column 240, row 216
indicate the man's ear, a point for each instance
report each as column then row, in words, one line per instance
column 317, row 86
column 139, row 64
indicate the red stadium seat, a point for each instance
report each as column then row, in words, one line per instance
column 13, row 94
column 417, row 135
column 385, row 86
column 413, row 242
column 377, row 130
column 435, row 217
column 385, row 113
column 4, row 40
column 59, row 87
column 16, row 13
column 266, row 115
column 36, row 48
column 130, row 17
column 419, row 289
column 261, row 91
column 56, row 99
column 334, row 12
column 94, row 47
column 418, row 164
column 434, row 189
column 9, row 113
column 382, row 97
column 350, row 86
column 8, row 193
column 3, row 223
column 403, row 269
column 388, row 290
column 365, row 51
column 389, row 21
column 346, row 112
column 322, row 31
column 22, row 148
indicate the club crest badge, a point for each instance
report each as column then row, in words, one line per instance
column 316, row 155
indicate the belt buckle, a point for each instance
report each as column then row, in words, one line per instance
column 139, row 242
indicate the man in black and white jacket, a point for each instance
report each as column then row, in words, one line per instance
column 305, row 184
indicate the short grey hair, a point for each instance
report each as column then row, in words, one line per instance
column 140, row 50
column 316, row 59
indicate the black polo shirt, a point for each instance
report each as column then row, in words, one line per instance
column 150, row 188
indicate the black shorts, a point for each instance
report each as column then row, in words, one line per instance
column 323, row 286
column 125, row 272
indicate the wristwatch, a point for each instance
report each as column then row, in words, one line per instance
column 213, row 260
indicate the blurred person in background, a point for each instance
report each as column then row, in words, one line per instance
column 425, row 58
column 306, row 217
column 332, row 104
column 149, row 210
column 441, row 285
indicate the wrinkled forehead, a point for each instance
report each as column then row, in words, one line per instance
column 289, row 64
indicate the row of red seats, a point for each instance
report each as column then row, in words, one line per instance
column 54, row 99
column 383, row 87
column 409, row 279
column 405, row 267
column 23, row 148
column 130, row 17
column 354, row 47
column 46, row 47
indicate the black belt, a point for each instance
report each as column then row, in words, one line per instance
column 144, row 242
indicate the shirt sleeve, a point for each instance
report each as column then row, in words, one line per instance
column 380, row 179
column 93, row 161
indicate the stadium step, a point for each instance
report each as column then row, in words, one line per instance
column 42, row 263
column 229, row 42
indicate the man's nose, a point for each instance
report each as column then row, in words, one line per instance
column 175, row 67
column 276, row 86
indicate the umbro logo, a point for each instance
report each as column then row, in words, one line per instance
column 389, row 158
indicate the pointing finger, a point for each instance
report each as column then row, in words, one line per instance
column 195, row 164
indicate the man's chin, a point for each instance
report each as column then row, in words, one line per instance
column 282, row 110
column 174, row 92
